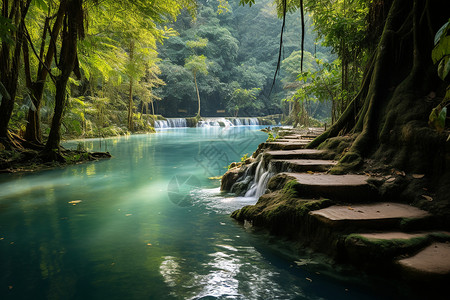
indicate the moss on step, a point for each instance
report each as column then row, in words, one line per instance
column 281, row 212
column 360, row 248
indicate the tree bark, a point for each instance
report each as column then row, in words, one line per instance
column 71, row 31
column 392, row 110
column 198, row 94
column 33, row 130
column 10, row 65
column 130, row 91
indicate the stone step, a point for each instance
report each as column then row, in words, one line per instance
column 303, row 165
column 384, row 215
column 293, row 137
column 283, row 139
column 300, row 137
column 299, row 144
column 430, row 264
column 344, row 188
column 294, row 154
column 375, row 247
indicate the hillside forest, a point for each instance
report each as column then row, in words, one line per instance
column 128, row 67
column 90, row 68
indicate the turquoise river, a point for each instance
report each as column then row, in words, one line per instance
column 150, row 223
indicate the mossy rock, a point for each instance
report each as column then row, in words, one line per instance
column 281, row 212
column 192, row 122
column 371, row 251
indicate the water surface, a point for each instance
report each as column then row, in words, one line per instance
column 150, row 223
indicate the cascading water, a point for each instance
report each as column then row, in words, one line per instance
column 262, row 176
column 171, row 123
column 206, row 122
column 177, row 122
column 161, row 124
column 245, row 121
column 254, row 182
column 209, row 122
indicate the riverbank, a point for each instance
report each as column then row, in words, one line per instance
column 29, row 160
column 384, row 221
column 25, row 159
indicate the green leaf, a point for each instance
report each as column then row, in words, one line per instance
column 442, row 117
column 444, row 67
column 437, row 118
column 441, row 50
column 441, row 32
column 41, row 4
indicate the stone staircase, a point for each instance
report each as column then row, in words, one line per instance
column 357, row 227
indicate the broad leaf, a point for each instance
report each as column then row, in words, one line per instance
column 444, row 67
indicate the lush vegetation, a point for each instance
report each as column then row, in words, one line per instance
column 140, row 59
column 120, row 63
column 239, row 47
column 77, row 66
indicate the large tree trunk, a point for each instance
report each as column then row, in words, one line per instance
column 393, row 110
column 33, row 130
column 10, row 65
column 389, row 116
column 72, row 24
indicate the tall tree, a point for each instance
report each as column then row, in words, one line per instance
column 73, row 29
column 13, row 20
column 197, row 64
column 45, row 56
column 400, row 87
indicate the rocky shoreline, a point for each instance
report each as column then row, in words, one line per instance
column 352, row 218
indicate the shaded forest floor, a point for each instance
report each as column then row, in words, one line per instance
column 30, row 160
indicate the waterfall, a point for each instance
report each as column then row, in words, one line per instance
column 237, row 122
column 171, row 123
column 177, row 122
column 211, row 122
column 253, row 121
column 246, row 121
column 206, row 122
column 262, row 176
column 253, row 183
column 161, row 124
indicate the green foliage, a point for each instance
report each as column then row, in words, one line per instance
column 244, row 158
column 441, row 50
column 441, row 56
column 243, row 99
column 272, row 137
column 240, row 51
column 437, row 118
column 6, row 29
column 199, row 43
column 197, row 64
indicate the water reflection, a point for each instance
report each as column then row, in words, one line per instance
column 125, row 239
column 231, row 273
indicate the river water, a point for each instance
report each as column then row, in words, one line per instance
column 150, row 223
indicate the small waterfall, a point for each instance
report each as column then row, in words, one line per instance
column 237, row 122
column 253, row 121
column 245, row 121
column 215, row 122
column 177, row 122
column 262, row 176
column 206, row 122
column 253, row 183
column 161, row 124
column 171, row 123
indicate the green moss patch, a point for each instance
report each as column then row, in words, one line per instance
column 282, row 212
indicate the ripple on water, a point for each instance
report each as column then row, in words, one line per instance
column 215, row 201
column 231, row 273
